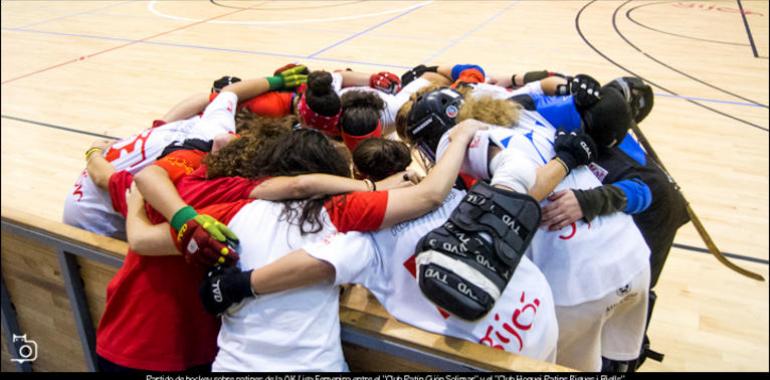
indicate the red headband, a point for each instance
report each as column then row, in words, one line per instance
column 325, row 124
column 352, row 141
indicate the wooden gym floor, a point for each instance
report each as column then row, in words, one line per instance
column 75, row 70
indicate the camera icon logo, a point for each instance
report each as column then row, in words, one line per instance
column 27, row 349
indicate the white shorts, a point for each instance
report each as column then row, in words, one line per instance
column 612, row 327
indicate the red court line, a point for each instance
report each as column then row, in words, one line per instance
column 128, row 44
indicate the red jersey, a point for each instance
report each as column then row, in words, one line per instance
column 153, row 319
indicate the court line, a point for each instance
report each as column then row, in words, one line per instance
column 151, row 7
column 468, row 33
column 369, row 29
column 215, row 2
column 731, row 102
column 73, row 14
column 81, row 58
column 59, row 127
column 748, row 30
column 672, row 68
column 335, row 60
column 730, row 255
column 212, row 48
column 628, row 15
column 74, row 130
column 618, row 65
column 299, row 57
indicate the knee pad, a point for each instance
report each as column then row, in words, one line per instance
column 464, row 265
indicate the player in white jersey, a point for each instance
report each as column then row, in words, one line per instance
column 600, row 293
column 300, row 330
column 522, row 321
column 89, row 207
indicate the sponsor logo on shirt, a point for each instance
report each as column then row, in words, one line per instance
column 598, row 171
column 505, row 333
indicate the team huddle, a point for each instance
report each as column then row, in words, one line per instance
column 538, row 226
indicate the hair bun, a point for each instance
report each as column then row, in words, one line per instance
column 319, row 82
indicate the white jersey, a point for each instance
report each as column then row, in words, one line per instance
column 522, row 321
column 295, row 330
column 583, row 261
column 89, row 207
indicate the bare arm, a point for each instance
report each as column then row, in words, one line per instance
column 412, row 202
column 550, row 84
column 99, row 169
column 354, row 79
column 248, row 89
column 187, row 108
column 295, row 270
column 548, row 177
column 144, row 238
column 159, row 191
column 309, row 185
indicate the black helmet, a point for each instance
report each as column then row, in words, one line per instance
column 431, row 116
column 638, row 95
column 608, row 121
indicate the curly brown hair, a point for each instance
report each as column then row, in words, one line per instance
column 244, row 156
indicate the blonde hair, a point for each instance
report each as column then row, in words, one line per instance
column 501, row 112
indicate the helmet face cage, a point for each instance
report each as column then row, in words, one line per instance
column 437, row 112
column 638, row 94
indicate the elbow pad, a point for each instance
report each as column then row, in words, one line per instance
column 514, row 170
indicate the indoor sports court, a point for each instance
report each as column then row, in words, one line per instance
column 77, row 71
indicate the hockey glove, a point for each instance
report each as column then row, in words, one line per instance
column 386, row 82
column 204, row 240
column 224, row 287
column 574, row 148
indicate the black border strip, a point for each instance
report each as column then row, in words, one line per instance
column 730, row 255
column 610, row 60
column 58, row 127
column 748, row 30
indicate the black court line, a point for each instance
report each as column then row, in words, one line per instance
column 730, row 255
column 628, row 15
column 58, row 127
column 618, row 65
column 748, row 30
column 681, row 246
column 617, row 30
column 215, row 2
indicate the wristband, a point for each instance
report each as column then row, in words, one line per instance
column 369, row 184
column 563, row 164
column 182, row 216
column 275, row 82
column 91, row 151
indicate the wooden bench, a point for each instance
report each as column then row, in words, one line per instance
column 54, row 278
